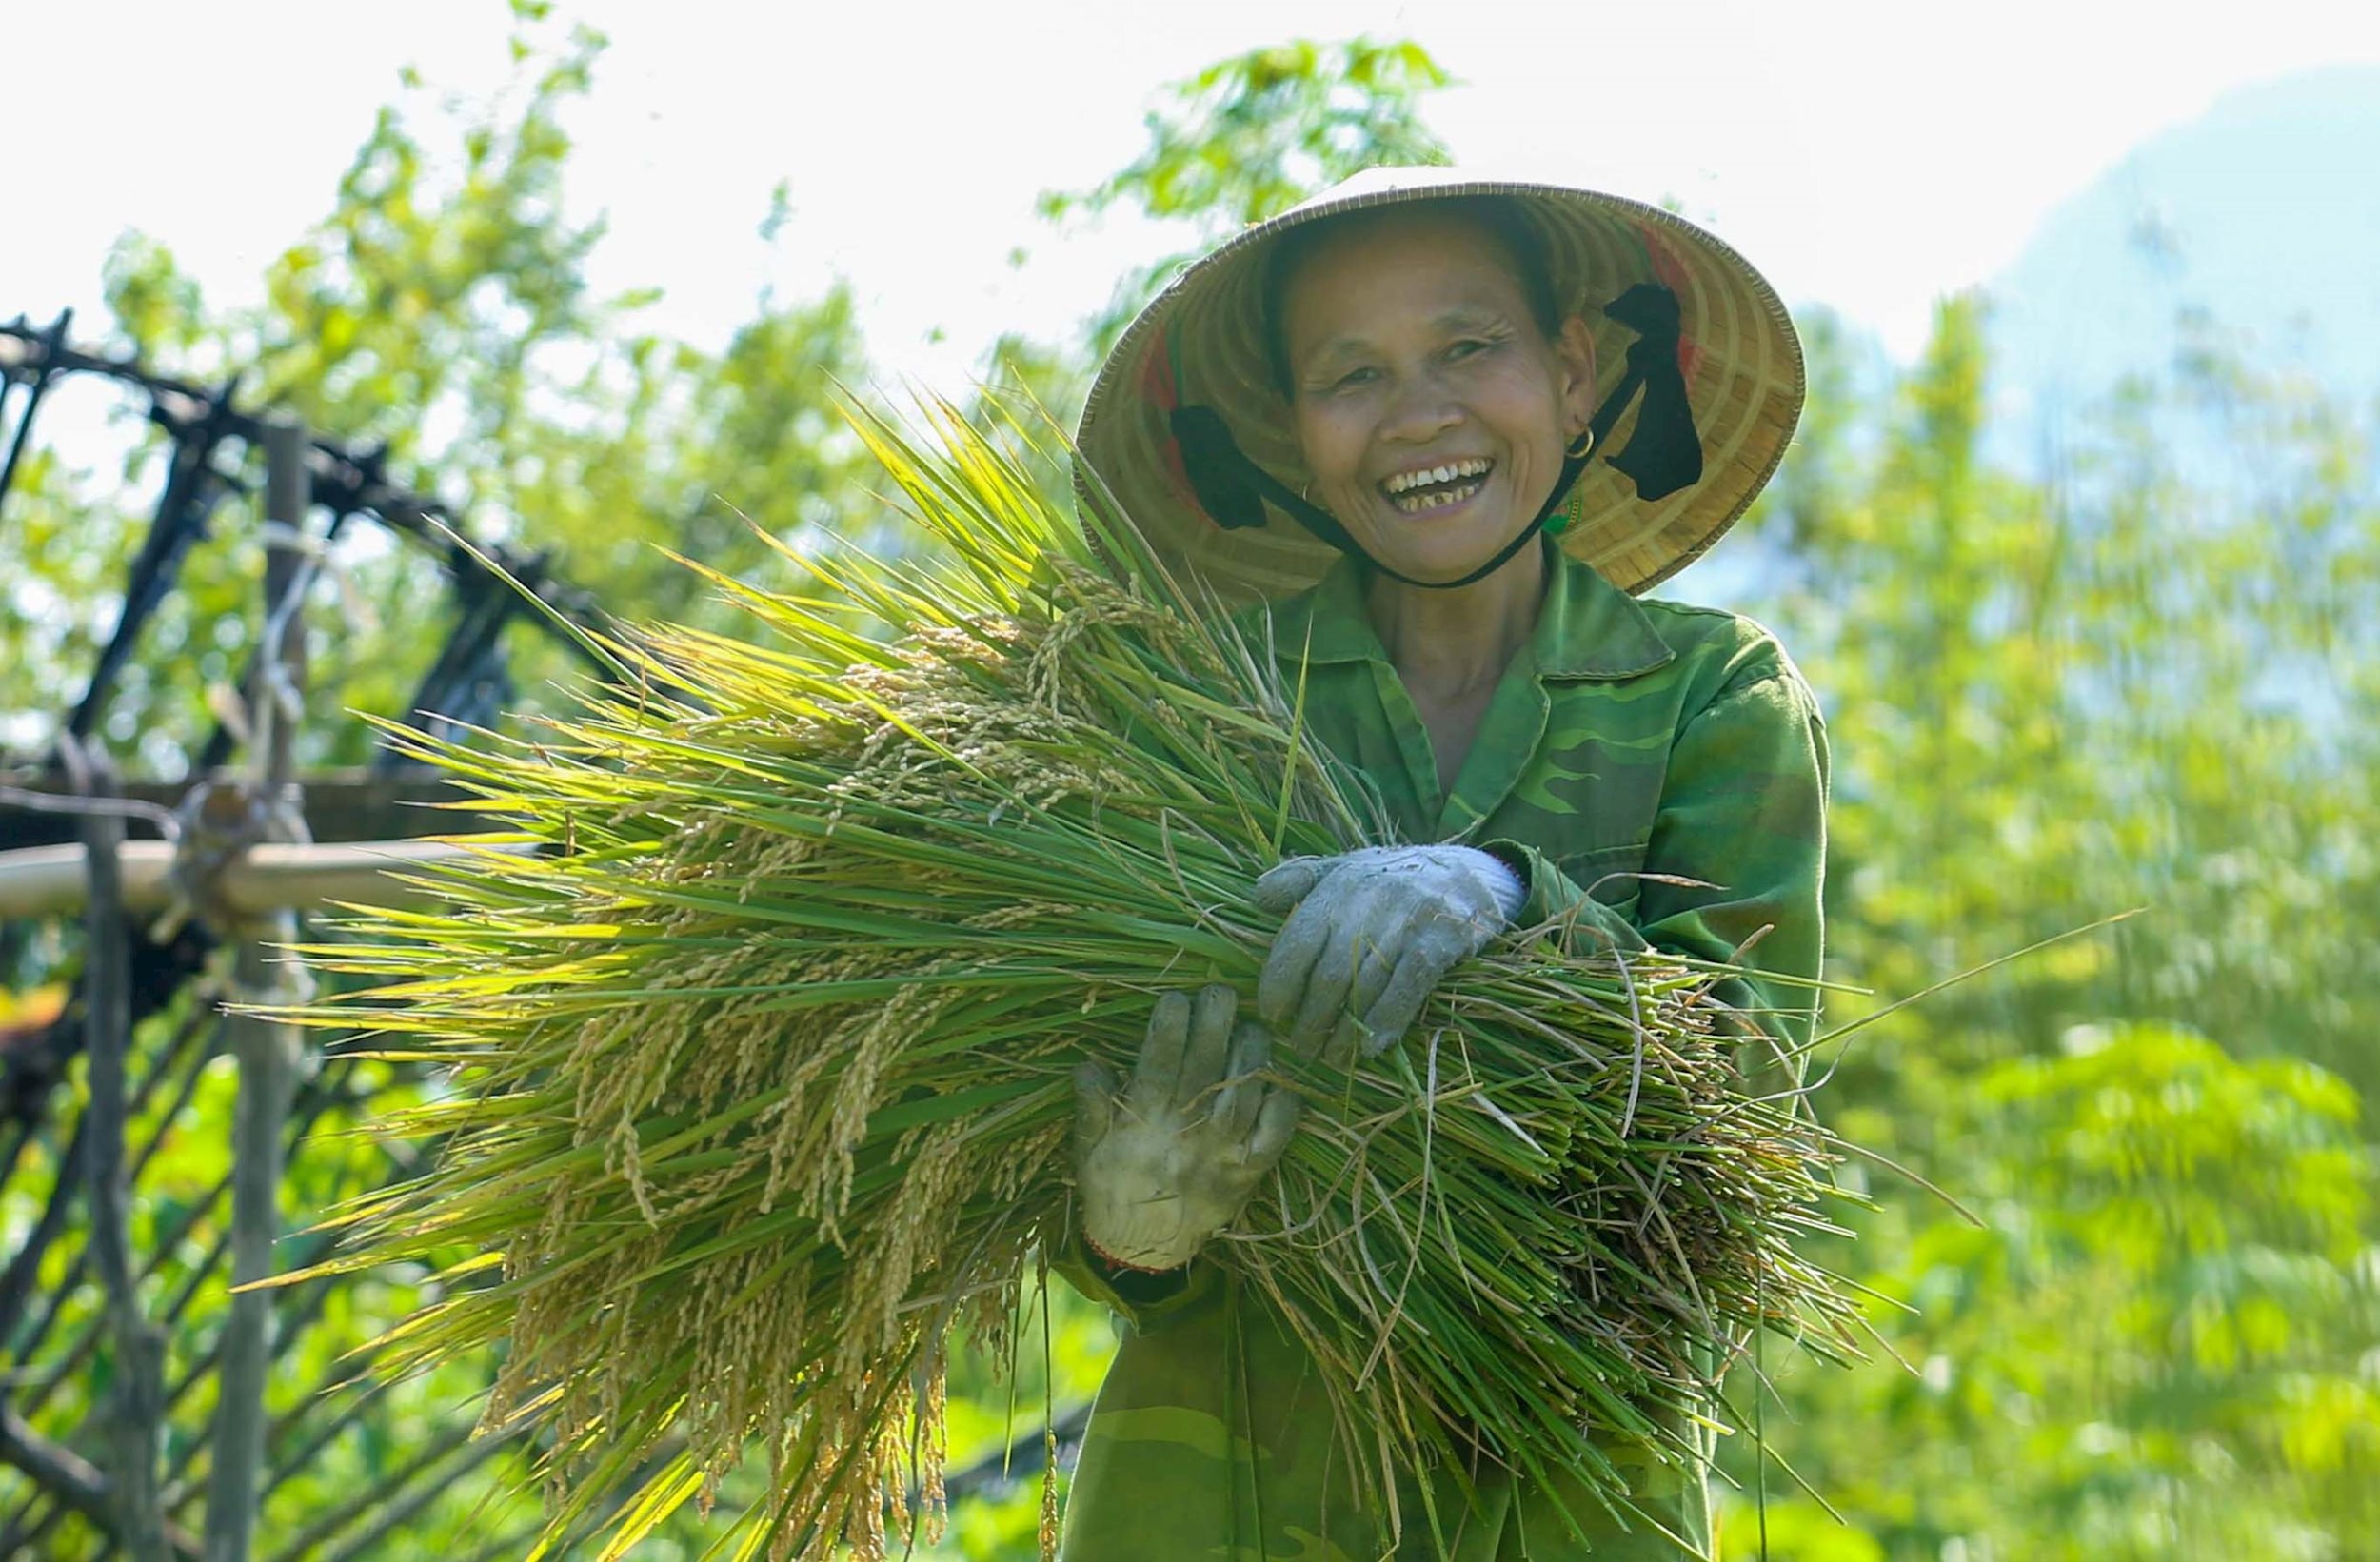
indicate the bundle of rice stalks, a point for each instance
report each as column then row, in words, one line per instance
column 764, row 1064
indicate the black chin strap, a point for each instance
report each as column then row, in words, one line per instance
column 1664, row 453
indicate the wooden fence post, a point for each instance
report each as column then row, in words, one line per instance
column 136, row 1415
column 268, row 1052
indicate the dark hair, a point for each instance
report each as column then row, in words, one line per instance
column 1498, row 216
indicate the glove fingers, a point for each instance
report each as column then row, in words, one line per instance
column 1287, row 883
column 1372, row 923
column 1160, row 1069
column 1276, row 1122
column 1346, row 1037
column 1095, row 1086
column 1325, row 996
column 1235, row 1110
column 1375, row 961
column 1400, row 1004
column 1211, row 1014
column 1289, row 964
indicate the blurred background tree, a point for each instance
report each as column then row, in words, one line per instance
column 2051, row 701
column 2136, row 683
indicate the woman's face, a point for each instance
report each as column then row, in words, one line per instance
column 1428, row 402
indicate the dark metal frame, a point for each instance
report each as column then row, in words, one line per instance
column 349, row 480
column 208, row 434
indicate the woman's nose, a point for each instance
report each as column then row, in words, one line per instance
column 1424, row 407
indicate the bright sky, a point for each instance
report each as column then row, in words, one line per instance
column 1871, row 154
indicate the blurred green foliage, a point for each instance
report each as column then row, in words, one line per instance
column 2051, row 703
column 1244, row 140
column 2143, row 683
column 1251, row 136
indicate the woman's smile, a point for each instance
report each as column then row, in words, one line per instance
column 1444, row 486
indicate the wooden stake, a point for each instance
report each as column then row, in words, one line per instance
column 137, row 1419
column 269, row 1050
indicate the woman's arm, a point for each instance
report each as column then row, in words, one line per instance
column 1144, row 1302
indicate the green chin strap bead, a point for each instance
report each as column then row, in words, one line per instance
column 1574, row 504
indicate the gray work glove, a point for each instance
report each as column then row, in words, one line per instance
column 1373, row 933
column 1165, row 1163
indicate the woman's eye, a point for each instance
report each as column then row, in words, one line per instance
column 1468, row 349
column 1355, row 379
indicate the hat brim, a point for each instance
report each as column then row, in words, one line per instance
column 1201, row 340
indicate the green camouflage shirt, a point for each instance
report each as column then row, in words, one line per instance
column 1627, row 738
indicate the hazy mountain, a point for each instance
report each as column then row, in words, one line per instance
column 2257, row 226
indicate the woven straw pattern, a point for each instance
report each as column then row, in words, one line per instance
column 1204, row 334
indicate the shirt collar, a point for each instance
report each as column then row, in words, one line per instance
column 1587, row 627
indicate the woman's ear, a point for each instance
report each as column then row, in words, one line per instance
column 1573, row 349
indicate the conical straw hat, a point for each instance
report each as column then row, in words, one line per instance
column 1202, row 342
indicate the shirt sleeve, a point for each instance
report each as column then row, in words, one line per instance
column 1743, row 811
column 1144, row 1301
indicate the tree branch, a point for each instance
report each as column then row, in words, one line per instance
column 16, row 1286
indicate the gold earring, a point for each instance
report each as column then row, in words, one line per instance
column 1580, row 447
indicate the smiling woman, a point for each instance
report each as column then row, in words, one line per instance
column 1432, row 401
column 1435, row 393
column 1440, row 429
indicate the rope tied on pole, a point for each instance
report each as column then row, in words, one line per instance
column 237, row 864
column 219, row 821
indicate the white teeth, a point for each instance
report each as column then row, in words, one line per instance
column 1414, row 504
column 1406, row 481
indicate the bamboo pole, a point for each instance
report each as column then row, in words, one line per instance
column 313, row 1099
column 41, row 882
column 137, row 1412
column 269, row 1050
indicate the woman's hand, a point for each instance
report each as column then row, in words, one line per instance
column 1166, row 1162
column 1372, row 934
